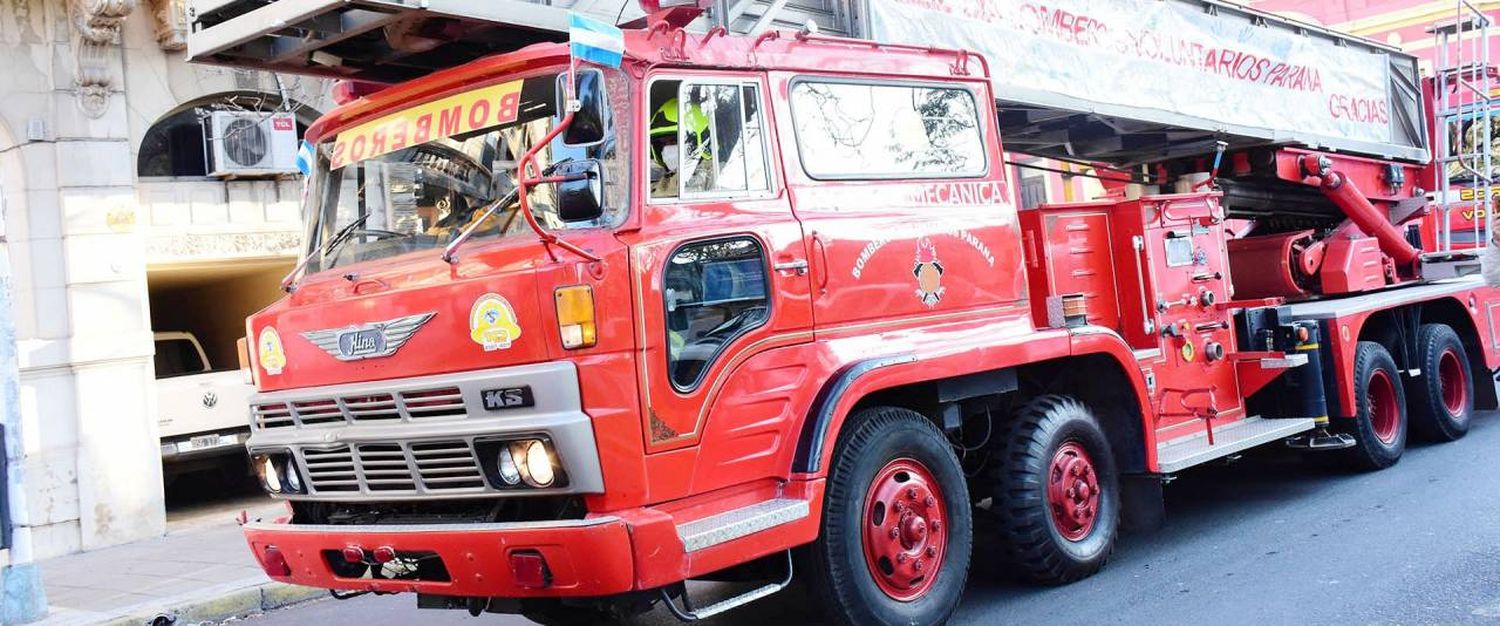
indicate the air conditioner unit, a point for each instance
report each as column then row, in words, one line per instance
column 250, row 143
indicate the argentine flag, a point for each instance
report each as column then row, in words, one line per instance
column 305, row 158
column 595, row 41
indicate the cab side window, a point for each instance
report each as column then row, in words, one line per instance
column 715, row 292
column 707, row 140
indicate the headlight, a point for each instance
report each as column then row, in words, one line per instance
column 510, row 474
column 521, row 463
column 277, row 472
column 539, row 465
column 270, row 476
column 292, row 479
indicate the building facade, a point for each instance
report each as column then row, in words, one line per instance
column 108, row 211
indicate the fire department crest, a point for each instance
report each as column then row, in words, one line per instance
column 929, row 272
column 268, row 348
column 492, row 323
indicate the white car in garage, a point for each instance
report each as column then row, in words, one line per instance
column 202, row 411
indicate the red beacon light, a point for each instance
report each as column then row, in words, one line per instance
column 676, row 13
column 346, row 91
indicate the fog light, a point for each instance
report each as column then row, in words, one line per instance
column 384, row 554
column 506, row 464
column 354, row 555
column 539, row 465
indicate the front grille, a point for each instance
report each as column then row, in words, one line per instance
column 418, row 404
column 445, row 467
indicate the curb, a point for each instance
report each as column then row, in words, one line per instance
column 217, row 604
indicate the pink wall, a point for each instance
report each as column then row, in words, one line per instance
column 1398, row 22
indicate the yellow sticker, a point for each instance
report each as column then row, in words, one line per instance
column 492, row 323
column 272, row 357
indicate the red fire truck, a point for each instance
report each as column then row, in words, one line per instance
column 759, row 304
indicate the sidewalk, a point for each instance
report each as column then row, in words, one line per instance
column 199, row 572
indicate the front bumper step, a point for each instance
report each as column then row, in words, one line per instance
column 730, row 525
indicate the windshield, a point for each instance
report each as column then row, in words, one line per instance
column 413, row 180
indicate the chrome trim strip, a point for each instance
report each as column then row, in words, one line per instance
column 428, row 528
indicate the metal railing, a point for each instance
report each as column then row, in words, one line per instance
column 1465, row 76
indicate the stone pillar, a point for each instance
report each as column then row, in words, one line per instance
column 22, row 599
column 83, row 334
column 109, row 347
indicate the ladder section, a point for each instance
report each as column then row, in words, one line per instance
column 753, row 17
column 375, row 40
column 1465, row 78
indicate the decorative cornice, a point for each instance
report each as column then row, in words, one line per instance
column 170, row 19
column 96, row 27
column 98, row 22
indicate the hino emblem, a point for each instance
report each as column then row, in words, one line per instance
column 368, row 341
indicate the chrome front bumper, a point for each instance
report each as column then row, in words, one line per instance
column 414, row 439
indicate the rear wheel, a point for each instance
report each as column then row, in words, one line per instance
column 1442, row 398
column 895, row 540
column 1379, row 426
column 1056, row 492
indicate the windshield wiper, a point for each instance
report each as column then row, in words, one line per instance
column 450, row 253
column 289, row 283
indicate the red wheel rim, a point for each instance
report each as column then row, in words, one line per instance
column 1385, row 415
column 905, row 529
column 1073, row 491
column 1454, row 381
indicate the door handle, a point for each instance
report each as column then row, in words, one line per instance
column 823, row 269
column 796, row 267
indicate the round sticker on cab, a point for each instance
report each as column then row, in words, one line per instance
column 272, row 356
column 492, row 323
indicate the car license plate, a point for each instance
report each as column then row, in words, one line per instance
column 205, row 442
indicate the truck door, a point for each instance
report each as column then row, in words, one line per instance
column 721, row 270
column 902, row 192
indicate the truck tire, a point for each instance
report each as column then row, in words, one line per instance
column 896, row 534
column 1379, row 426
column 1056, row 492
column 1442, row 398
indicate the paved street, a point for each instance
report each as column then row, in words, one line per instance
column 1270, row 540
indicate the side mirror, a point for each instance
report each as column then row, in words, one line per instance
column 591, row 122
column 580, row 197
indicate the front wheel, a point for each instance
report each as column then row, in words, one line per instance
column 1056, row 492
column 896, row 535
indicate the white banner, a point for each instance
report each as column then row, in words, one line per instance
column 1166, row 60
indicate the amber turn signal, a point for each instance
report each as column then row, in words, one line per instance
column 575, row 317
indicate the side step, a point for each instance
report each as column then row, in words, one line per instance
column 1184, row 452
column 730, row 525
column 687, row 613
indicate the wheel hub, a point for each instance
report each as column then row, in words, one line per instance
column 1073, row 491
column 903, row 529
column 1385, row 415
column 1454, row 380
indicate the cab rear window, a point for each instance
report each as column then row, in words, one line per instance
column 878, row 130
